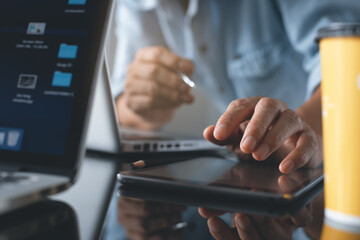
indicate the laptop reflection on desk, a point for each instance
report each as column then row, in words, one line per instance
column 42, row 220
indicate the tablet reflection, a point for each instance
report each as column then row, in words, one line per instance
column 144, row 219
column 306, row 222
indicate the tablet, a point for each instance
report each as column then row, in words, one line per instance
column 225, row 184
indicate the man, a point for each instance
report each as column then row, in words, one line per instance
column 239, row 51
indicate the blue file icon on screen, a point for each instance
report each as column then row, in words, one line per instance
column 67, row 51
column 61, row 79
column 11, row 138
column 77, row 2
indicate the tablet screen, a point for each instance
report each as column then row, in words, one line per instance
column 232, row 174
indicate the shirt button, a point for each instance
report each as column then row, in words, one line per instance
column 221, row 89
column 237, row 56
column 203, row 49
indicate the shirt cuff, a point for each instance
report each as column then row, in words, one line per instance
column 314, row 79
column 117, row 89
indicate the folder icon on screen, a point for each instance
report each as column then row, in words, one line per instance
column 61, row 79
column 67, row 51
column 77, row 2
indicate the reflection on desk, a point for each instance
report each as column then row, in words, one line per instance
column 43, row 220
column 140, row 208
column 146, row 219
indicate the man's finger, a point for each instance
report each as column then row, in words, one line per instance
column 141, row 208
column 287, row 184
column 287, row 125
column 155, row 90
column 306, row 146
column 157, row 73
column 141, row 103
column 149, row 224
column 272, row 228
column 266, row 111
column 207, row 212
column 220, row 230
column 165, row 57
column 233, row 139
column 303, row 218
column 243, row 125
column 245, row 228
column 237, row 112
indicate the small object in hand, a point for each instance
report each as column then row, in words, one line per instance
column 186, row 80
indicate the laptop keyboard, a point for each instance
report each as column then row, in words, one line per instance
column 139, row 137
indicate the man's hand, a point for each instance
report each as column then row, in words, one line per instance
column 253, row 227
column 263, row 127
column 153, row 88
column 149, row 220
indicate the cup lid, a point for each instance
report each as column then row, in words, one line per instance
column 338, row 30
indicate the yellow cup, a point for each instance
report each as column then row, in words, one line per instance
column 340, row 90
column 333, row 231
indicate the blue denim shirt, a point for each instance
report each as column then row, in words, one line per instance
column 240, row 48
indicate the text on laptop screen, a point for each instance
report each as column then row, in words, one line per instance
column 42, row 50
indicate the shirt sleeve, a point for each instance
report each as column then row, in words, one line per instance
column 301, row 21
column 136, row 27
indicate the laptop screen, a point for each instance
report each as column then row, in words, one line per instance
column 48, row 55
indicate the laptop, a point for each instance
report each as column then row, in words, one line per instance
column 106, row 134
column 50, row 54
